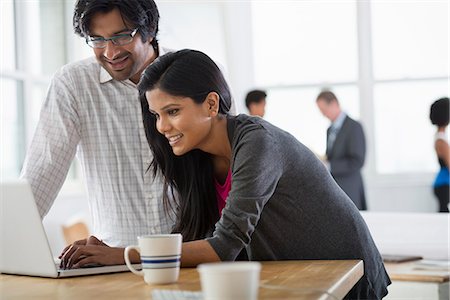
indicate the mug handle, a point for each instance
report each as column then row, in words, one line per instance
column 127, row 260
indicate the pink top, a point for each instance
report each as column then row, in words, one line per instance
column 222, row 192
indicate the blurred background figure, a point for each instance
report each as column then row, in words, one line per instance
column 439, row 116
column 256, row 102
column 346, row 148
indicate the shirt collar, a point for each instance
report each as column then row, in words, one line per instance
column 339, row 120
column 105, row 76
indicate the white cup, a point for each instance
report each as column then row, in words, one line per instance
column 230, row 280
column 160, row 257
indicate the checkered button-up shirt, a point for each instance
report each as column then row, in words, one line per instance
column 89, row 114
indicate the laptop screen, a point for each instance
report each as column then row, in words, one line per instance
column 24, row 246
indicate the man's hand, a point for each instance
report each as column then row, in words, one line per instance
column 90, row 251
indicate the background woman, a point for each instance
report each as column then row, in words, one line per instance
column 242, row 183
column 439, row 116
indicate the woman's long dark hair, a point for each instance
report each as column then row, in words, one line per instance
column 189, row 179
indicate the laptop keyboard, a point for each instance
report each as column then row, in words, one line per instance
column 58, row 263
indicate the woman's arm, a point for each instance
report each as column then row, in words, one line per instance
column 196, row 252
column 443, row 151
column 258, row 165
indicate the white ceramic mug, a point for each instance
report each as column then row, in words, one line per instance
column 230, row 280
column 160, row 257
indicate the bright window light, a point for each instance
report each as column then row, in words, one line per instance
column 304, row 42
column 410, row 39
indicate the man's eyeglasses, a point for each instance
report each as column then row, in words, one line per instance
column 118, row 40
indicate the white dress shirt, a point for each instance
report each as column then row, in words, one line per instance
column 99, row 119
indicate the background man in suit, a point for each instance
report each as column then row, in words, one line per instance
column 346, row 148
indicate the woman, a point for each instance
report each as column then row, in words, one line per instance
column 439, row 116
column 281, row 203
column 241, row 184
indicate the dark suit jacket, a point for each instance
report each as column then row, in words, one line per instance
column 346, row 158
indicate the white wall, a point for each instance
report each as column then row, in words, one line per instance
column 422, row 234
column 400, row 198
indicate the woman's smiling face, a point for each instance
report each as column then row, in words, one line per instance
column 186, row 124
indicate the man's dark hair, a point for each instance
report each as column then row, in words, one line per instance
column 439, row 112
column 141, row 14
column 327, row 96
column 255, row 96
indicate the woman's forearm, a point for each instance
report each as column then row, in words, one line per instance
column 196, row 252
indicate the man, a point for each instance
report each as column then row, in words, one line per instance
column 93, row 108
column 256, row 102
column 346, row 148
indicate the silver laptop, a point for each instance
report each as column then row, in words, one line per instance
column 24, row 248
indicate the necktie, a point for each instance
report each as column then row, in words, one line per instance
column 331, row 137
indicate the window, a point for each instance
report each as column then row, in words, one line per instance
column 410, row 39
column 10, row 130
column 301, row 55
column 402, row 109
column 302, row 46
column 33, row 47
column 411, row 69
column 7, row 39
column 8, row 87
column 193, row 25
column 295, row 44
column 298, row 111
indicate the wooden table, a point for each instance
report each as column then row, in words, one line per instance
column 317, row 279
column 411, row 281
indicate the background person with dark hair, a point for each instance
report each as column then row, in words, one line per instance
column 346, row 148
column 439, row 116
column 256, row 103
column 92, row 108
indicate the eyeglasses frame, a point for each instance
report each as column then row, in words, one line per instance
column 112, row 39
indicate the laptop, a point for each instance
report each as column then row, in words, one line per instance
column 24, row 248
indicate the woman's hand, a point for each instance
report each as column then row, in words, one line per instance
column 90, row 251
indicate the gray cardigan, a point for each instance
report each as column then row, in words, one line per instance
column 284, row 205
